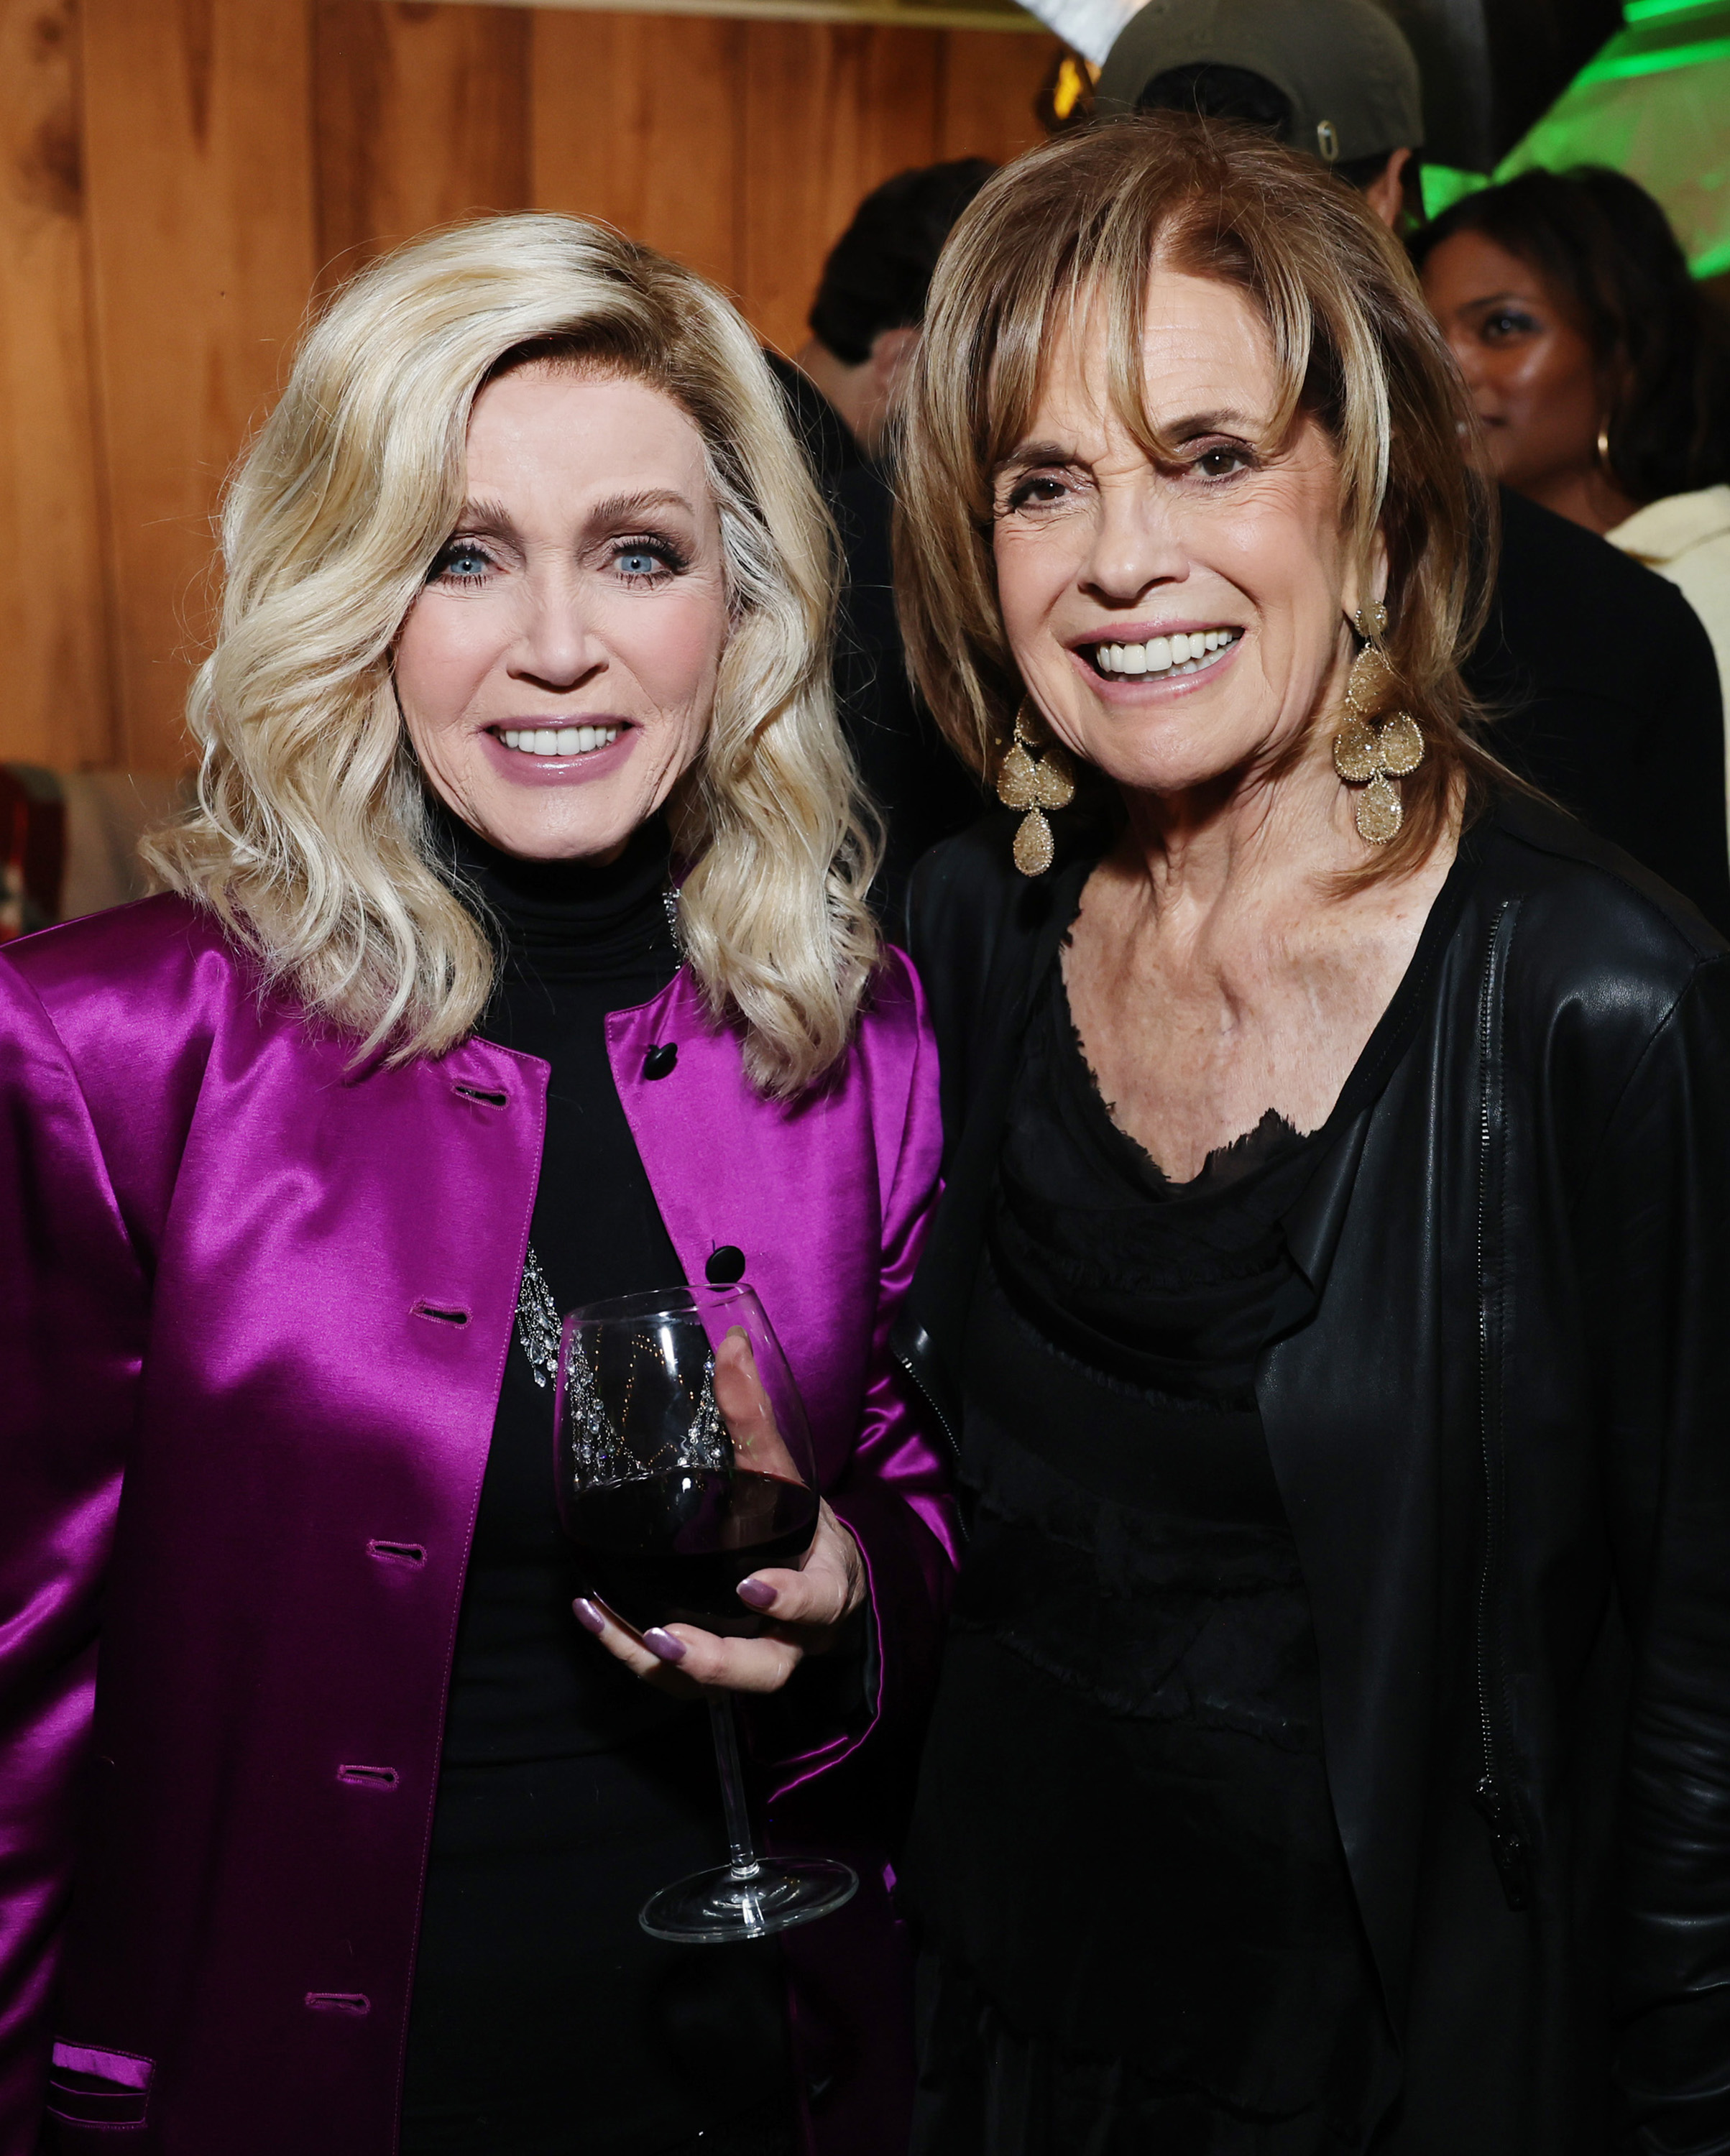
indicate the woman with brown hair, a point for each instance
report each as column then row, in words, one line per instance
column 1333, row 1745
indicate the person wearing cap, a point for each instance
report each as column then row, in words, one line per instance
column 1625, row 729
column 865, row 326
column 1335, row 77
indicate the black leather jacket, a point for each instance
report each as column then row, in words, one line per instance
column 1503, row 1441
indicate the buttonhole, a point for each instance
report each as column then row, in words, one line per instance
column 397, row 1553
column 339, row 2002
column 487, row 1098
column 443, row 1317
column 369, row 1778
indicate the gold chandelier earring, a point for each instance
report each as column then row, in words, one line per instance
column 1034, row 778
column 1375, row 757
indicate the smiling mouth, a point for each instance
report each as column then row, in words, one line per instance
column 1191, row 654
column 555, row 740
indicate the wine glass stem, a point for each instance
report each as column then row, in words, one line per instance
column 742, row 1852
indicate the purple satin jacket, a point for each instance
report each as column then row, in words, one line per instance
column 255, row 1308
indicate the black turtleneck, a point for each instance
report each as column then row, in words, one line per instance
column 544, row 2021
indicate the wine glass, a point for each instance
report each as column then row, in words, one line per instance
column 683, row 1464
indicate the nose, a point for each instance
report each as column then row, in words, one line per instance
column 557, row 647
column 1138, row 542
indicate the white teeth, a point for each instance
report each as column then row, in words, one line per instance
column 1187, row 651
column 557, row 741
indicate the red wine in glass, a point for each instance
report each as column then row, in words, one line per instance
column 683, row 1464
column 671, row 1548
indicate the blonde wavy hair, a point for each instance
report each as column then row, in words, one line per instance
column 1083, row 221
column 310, row 836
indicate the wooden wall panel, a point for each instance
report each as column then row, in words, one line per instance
column 639, row 120
column 989, row 84
column 178, row 177
column 829, row 112
column 422, row 117
column 197, row 130
column 56, row 700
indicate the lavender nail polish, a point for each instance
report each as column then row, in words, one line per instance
column 663, row 1643
column 588, row 1617
column 757, row 1593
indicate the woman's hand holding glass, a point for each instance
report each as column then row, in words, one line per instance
column 804, row 1607
column 682, row 1460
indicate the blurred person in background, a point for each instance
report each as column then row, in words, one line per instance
column 1599, row 369
column 865, row 326
column 1626, row 730
column 864, row 321
column 520, row 911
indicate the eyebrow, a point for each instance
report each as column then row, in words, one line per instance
column 492, row 516
column 484, row 517
column 1027, row 455
column 627, row 508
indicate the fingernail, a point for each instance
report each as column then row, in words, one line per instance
column 588, row 1617
column 757, row 1593
column 663, row 1643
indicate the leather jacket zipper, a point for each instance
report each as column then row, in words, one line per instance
column 906, row 1362
column 1492, row 1794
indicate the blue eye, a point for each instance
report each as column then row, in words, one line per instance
column 638, row 562
column 462, row 562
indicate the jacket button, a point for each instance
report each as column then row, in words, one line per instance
column 725, row 1265
column 659, row 1062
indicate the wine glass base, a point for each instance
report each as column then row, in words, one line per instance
column 712, row 1907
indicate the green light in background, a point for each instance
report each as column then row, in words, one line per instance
column 1444, row 185
column 1622, row 67
column 1655, row 103
column 1660, row 11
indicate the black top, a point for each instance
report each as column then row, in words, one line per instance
column 544, row 2019
column 1500, row 1443
column 1603, row 691
column 1125, row 1852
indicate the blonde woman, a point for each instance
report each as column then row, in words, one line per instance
column 1332, row 1750
column 514, row 955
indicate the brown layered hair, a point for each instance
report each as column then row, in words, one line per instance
column 1081, row 224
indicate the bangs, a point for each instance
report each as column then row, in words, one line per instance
column 1071, row 235
column 1102, row 271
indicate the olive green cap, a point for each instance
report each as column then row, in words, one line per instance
column 1344, row 65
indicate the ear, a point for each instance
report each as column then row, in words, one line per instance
column 891, row 350
column 1367, row 581
column 1386, row 193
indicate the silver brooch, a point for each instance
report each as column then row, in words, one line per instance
column 537, row 1320
column 670, row 903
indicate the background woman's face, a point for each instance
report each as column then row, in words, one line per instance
column 1176, row 621
column 557, row 672
column 1526, row 360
